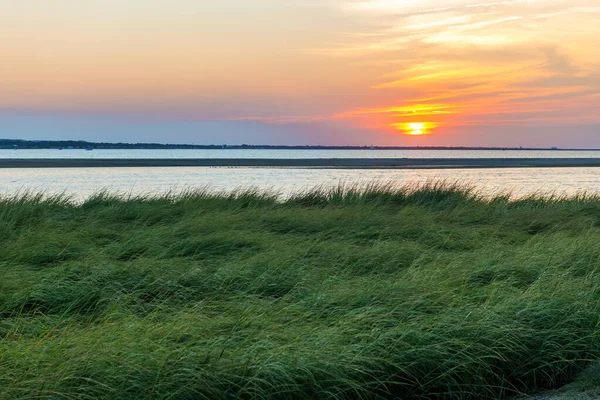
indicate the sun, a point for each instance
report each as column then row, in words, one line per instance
column 415, row 128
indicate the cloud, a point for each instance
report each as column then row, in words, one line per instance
column 474, row 63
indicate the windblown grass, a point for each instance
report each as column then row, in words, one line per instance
column 357, row 292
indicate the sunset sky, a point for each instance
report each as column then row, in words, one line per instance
column 344, row 72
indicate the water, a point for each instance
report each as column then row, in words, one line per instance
column 82, row 182
column 235, row 153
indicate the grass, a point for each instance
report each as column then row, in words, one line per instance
column 377, row 292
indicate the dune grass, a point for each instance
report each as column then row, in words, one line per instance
column 376, row 292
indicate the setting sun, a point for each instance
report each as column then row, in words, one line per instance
column 415, row 128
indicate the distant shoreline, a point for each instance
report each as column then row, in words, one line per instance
column 8, row 144
column 321, row 163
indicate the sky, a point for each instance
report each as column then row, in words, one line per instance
column 303, row 72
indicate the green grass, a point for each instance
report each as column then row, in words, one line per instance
column 379, row 292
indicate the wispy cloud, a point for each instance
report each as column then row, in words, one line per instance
column 468, row 61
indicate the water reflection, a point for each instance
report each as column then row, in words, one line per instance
column 83, row 182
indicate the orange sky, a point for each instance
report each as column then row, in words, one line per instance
column 448, row 72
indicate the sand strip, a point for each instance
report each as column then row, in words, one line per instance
column 346, row 163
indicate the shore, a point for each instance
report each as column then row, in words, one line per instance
column 341, row 163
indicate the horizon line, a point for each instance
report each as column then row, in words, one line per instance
column 46, row 143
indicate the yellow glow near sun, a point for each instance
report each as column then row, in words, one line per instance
column 415, row 128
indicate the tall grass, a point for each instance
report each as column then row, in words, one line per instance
column 427, row 291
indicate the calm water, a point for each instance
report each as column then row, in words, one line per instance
column 230, row 153
column 83, row 182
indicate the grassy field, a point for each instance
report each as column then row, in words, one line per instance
column 381, row 292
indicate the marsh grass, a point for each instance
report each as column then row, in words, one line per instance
column 378, row 291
